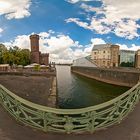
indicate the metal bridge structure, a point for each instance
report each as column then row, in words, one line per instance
column 82, row 120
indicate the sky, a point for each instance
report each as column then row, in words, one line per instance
column 69, row 29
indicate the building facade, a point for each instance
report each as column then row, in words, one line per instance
column 4, row 67
column 137, row 64
column 105, row 55
column 127, row 58
column 36, row 55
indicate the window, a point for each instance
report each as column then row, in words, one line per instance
column 108, row 64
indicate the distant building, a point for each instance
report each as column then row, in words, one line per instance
column 127, row 58
column 83, row 62
column 36, row 55
column 105, row 55
column 4, row 67
column 137, row 64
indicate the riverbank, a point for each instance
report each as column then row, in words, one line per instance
column 52, row 99
column 75, row 91
column 36, row 89
column 120, row 77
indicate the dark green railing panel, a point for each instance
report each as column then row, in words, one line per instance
column 70, row 120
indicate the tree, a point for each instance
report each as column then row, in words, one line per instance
column 14, row 55
column 127, row 64
column 2, row 50
column 8, row 58
column 24, row 57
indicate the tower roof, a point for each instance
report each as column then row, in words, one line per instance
column 34, row 36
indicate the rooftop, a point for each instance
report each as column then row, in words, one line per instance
column 101, row 46
column 4, row 65
column 127, row 51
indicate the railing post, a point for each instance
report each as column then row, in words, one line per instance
column 70, row 121
column 17, row 113
column 45, row 121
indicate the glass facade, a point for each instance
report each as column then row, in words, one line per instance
column 127, row 57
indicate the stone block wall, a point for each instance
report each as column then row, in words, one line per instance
column 121, row 77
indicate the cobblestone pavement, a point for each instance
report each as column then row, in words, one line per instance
column 128, row 129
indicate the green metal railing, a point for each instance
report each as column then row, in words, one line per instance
column 70, row 120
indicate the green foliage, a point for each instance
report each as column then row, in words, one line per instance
column 14, row 55
column 37, row 68
column 2, row 50
column 127, row 64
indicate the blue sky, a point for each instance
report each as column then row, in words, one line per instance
column 68, row 29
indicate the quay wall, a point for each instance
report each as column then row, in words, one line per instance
column 51, row 92
column 26, row 73
column 120, row 77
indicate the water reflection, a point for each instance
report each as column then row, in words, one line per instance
column 76, row 91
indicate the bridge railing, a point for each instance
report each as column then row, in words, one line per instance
column 87, row 119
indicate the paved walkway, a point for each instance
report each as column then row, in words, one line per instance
column 32, row 88
column 129, row 129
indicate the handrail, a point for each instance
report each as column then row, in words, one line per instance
column 69, row 111
column 70, row 120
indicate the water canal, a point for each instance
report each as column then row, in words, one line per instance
column 76, row 91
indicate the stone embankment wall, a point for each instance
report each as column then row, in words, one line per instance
column 52, row 99
column 51, row 93
column 29, row 73
column 121, row 77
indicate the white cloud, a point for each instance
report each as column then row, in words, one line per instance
column 89, row 8
column 113, row 17
column 96, row 41
column 75, row 1
column 80, row 23
column 62, row 48
column 95, row 25
column 123, row 20
column 125, row 47
column 1, row 30
column 131, row 9
column 21, row 41
column 44, row 34
column 59, row 46
column 15, row 8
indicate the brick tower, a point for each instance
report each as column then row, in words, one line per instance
column 35, row 54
